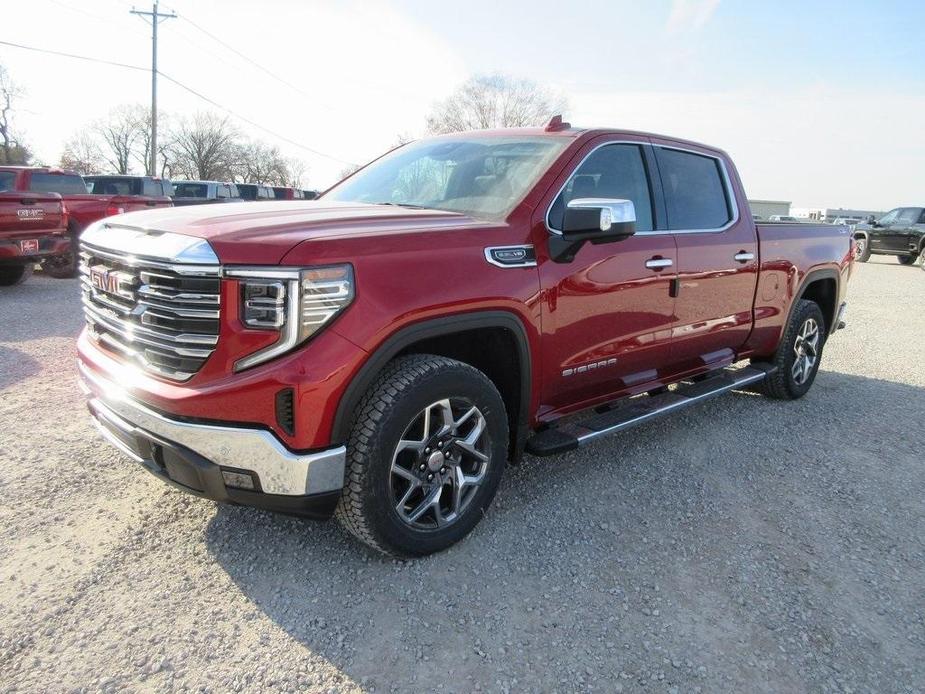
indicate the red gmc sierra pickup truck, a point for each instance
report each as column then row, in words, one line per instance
column 33, row 227
column 83, row 208
column 380, row 354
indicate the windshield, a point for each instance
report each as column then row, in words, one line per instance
column 190, row 190
column 484, row 177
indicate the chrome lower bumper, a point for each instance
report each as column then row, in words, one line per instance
column 121, row 419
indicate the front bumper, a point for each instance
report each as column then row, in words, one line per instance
column 193, row 456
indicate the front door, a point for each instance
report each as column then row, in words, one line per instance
column 893, row 231
column 717, row 258
column 607, row 314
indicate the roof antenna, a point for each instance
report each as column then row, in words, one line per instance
column 556, row 123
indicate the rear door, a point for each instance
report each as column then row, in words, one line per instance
column 717, row 256
column 904, row 233
column 607, row 314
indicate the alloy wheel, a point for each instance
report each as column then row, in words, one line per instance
column 439, row 463
column 806, row 351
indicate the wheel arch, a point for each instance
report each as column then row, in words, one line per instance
column 820, row 286
column 495, row 342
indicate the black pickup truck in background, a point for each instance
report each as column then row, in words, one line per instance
column 204, row 193
column 900, row 232
column 129, row 185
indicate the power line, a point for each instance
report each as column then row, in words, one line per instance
column 72, row 55
column 249, row 60
column 182, row 86
column 256, row 125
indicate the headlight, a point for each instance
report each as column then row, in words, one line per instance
column 297, row 303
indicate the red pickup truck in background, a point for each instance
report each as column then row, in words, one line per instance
column 83, row 208
column 33, row 227
column 383, row 352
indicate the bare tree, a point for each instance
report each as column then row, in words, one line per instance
column 204, row 147
column 296, row 177
column 121, row 133
column 348, row 171
column 82, row 153
column 12, row 150
column 495, row 101
column 258, row 162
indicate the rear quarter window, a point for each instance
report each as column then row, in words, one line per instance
column 64, row 184
column 7, row 180
column 695, row 190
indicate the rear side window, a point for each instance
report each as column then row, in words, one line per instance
column 695, row 193
column 612, row 171
column 64, row 184
column 191, row 190
column 7, row 180
column 109, row 186
column 151, row 188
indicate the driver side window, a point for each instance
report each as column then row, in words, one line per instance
column 612, row 171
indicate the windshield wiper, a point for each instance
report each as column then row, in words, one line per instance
column 403, row 204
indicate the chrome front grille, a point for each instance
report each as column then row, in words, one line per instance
column 163, row 316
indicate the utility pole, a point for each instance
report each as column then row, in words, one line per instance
column 155, row 19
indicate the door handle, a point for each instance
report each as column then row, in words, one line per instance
column 743, row 256
column 659, row 263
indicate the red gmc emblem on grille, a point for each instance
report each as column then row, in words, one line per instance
column 109, row 282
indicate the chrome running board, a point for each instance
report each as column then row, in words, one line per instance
column 643, row 408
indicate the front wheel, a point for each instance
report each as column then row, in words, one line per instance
column 907, row 259
column 798, row 355
column 425, row 456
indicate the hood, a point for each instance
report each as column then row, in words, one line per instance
column 261, row 233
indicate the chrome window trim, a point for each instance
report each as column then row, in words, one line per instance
column 638, row 143
column 731, row 200
column 526, row 263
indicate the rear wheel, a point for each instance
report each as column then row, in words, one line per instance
column 63, row 266
column 11, row 275
column 798, row 355
column 907, row 259
column 425, row 456
column 861, row 250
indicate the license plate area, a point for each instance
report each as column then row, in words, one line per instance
column 29, row 246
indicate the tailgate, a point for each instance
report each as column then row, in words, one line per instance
column 24, row 214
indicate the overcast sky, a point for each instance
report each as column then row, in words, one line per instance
column 819, row 103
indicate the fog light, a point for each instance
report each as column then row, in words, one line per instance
column 239, row 480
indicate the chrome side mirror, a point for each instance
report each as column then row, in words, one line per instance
column 599, row 219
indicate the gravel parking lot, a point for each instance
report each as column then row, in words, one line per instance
column 748, row 545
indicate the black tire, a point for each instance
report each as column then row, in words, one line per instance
column 11, row 275
column 862, row 250
column 408, row 387
column 782, row 383
column 907, row 259
column 64, row 266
